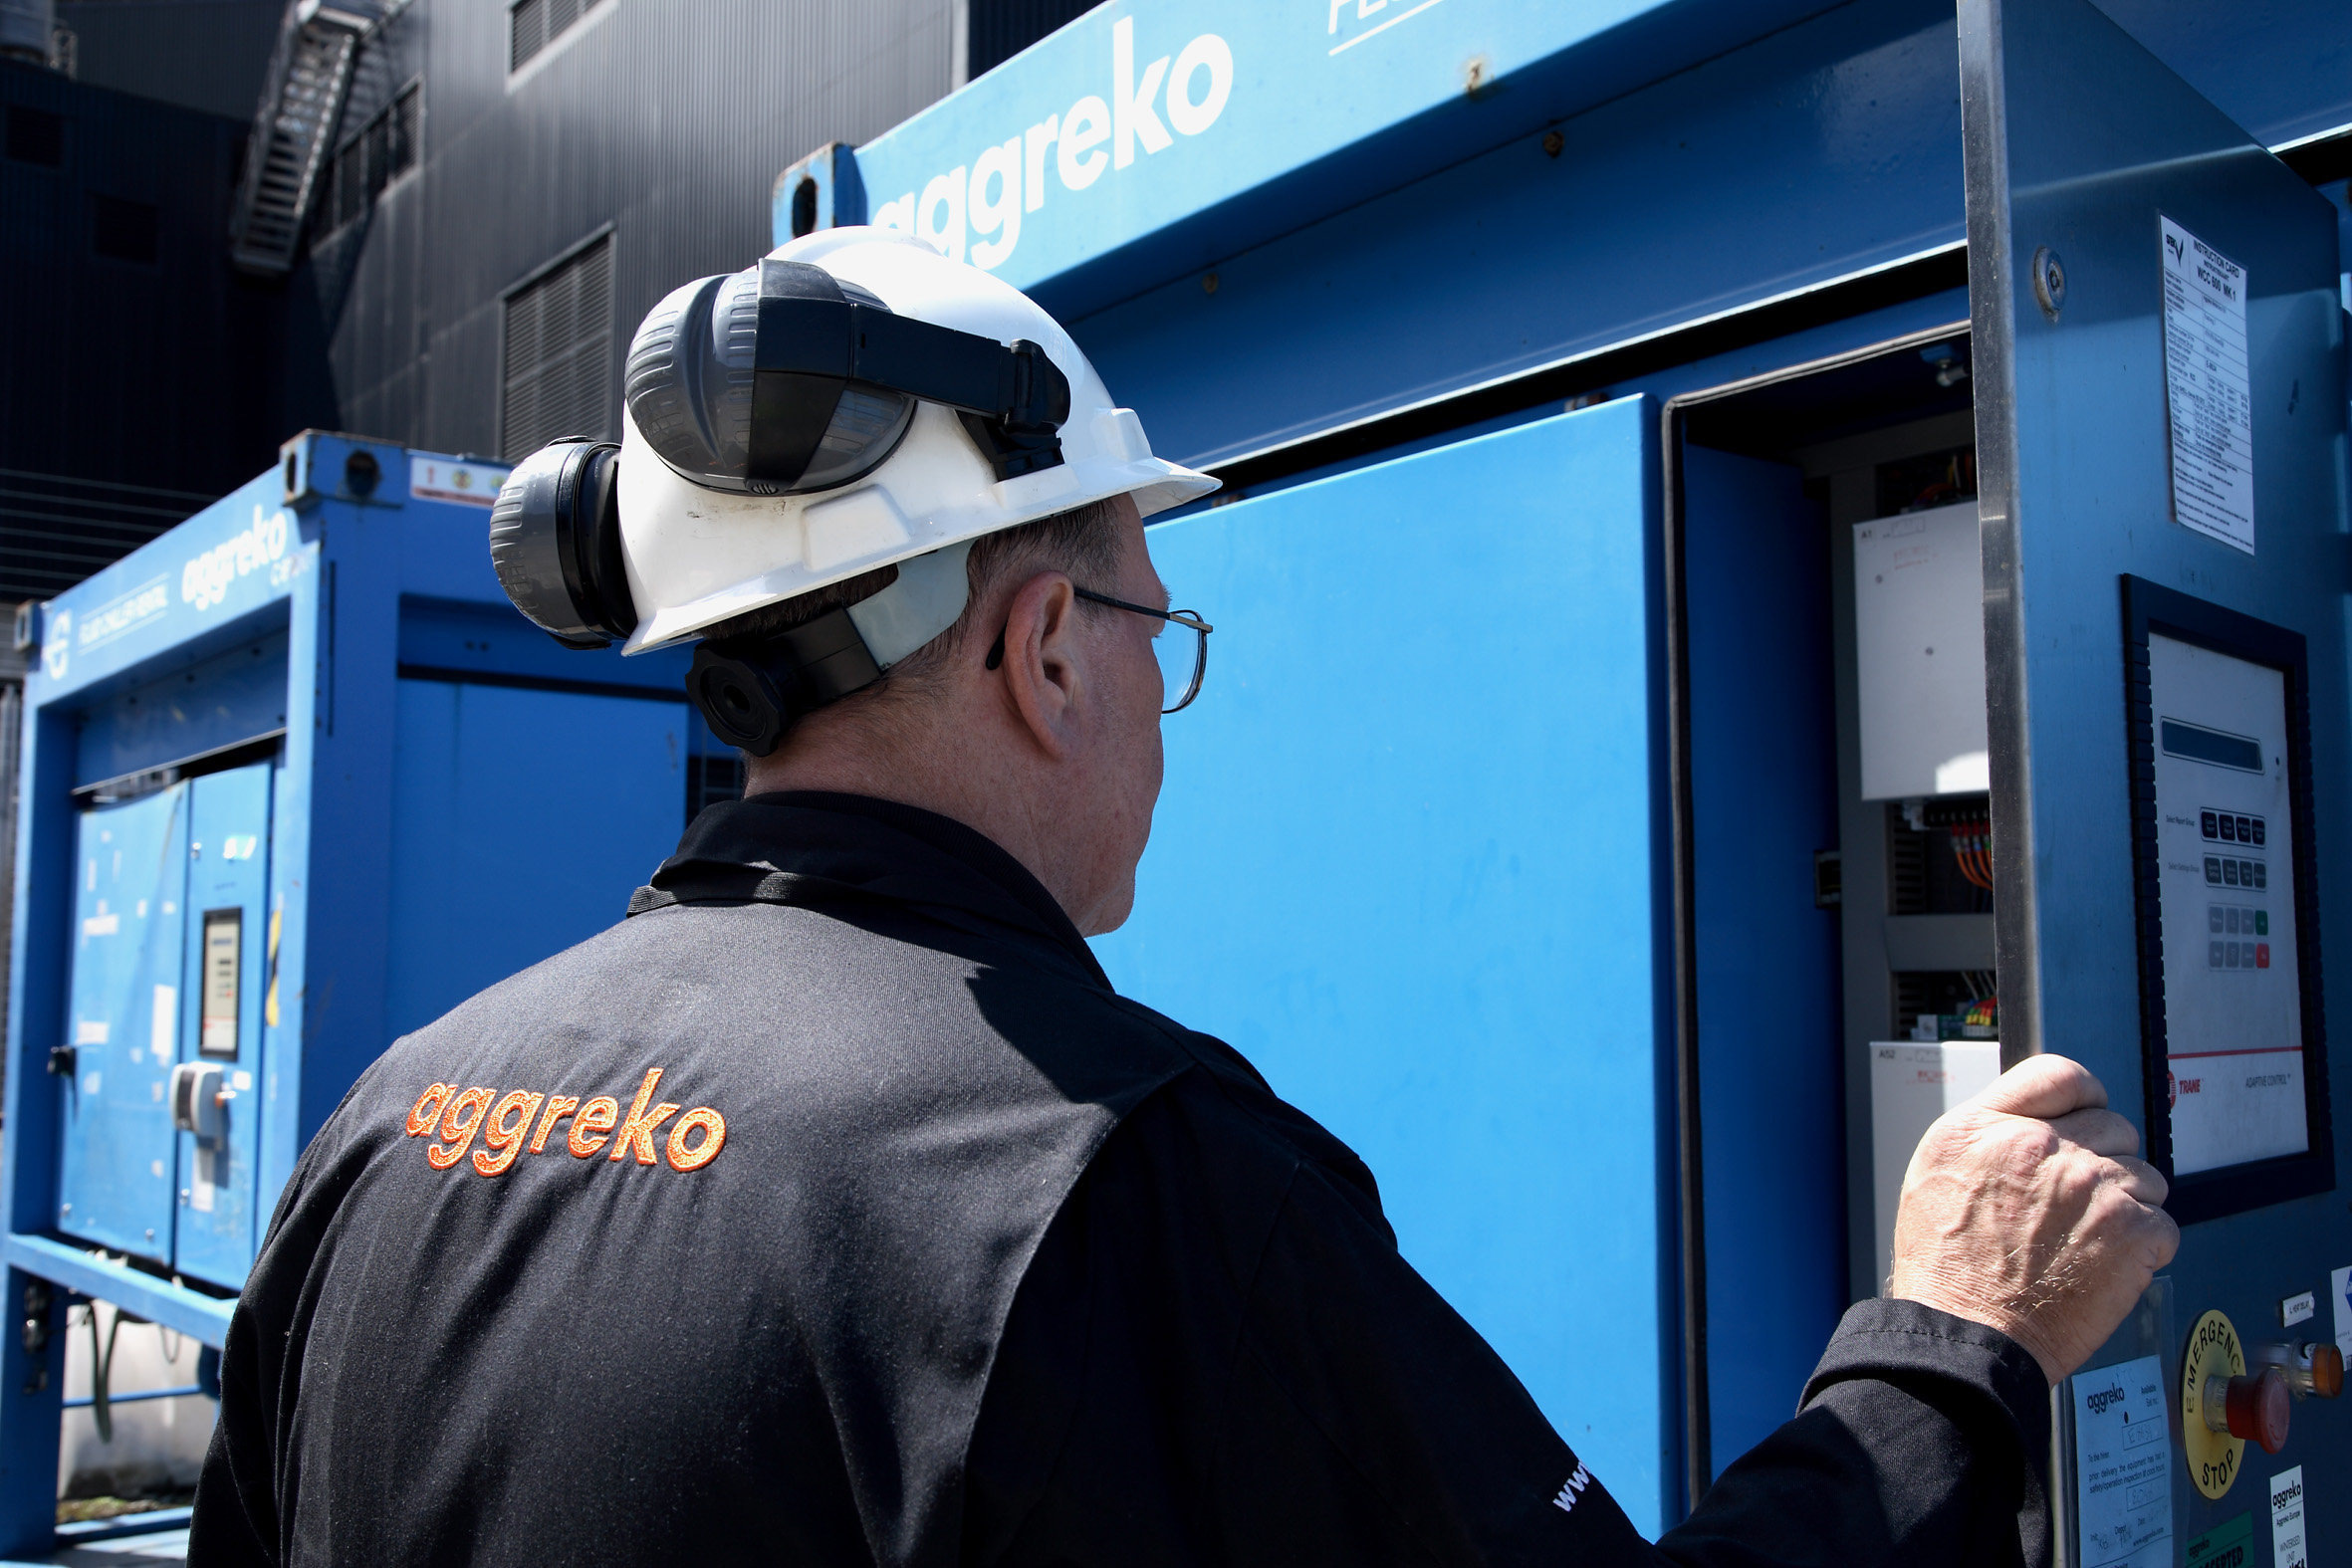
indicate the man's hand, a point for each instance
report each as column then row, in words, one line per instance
column 2024, row 1210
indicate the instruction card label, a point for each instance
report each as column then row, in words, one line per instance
column 2123, row 1466
column 2208, row 402
column 2287, row 1520
column 2340, row 1289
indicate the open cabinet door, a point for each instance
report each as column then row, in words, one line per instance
column 1411, row 859
column 2159, row 349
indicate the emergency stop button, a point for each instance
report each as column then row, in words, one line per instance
column 2255, row 1408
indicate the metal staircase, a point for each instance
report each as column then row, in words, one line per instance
column 294, row 131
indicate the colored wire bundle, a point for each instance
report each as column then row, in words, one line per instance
column 1972, row 846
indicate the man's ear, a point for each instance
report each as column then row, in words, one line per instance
column 1043, row 672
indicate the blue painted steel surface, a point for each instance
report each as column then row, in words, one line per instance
column 230, row 697
column 1410, row 859
column 1707, row 162
column 1763, row 795
column 221, row 1207
column 116, row 1184
column 2085, row 139
column 200, row 1317
column 1144, row 134
column 472, row 899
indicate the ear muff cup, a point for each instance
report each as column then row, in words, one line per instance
column 738, row 700
column 555, row 541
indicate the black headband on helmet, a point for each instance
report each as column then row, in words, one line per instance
column 782, row 380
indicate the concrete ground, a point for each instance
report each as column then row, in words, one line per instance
column 119, row 1543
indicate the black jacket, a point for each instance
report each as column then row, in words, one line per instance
column 833, row 1209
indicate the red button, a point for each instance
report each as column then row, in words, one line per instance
column 2261, row 954
column 2258, row 1408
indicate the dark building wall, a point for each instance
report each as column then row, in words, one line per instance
column 1000, row 29
column 138, row 374
column 663, row 123
column 200, row 54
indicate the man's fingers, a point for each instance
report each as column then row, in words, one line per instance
column 2142, row 1180
column 2046, row 1086
column 2100, row 1131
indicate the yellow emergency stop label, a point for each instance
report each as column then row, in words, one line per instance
column 2214, row 1458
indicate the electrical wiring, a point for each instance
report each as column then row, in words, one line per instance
column 1971, row 848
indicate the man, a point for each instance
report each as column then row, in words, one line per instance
column 832, row 1208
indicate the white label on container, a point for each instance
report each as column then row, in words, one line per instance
column 2297, row 1309
column 442, row 479
column 2287, row 1520
column 163, row 1023
column 2340, row 1289
column 90, row 1031
column 2207, row 401
column 2123, row 1466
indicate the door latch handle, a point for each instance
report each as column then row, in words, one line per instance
column 198, row 1103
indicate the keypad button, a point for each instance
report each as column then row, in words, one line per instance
column 2213, row 870
column 2213, row 955
column 2258, row 876
column 2261, row 954
column 2213, row 828
column 2258, row 831
column 2262, row 922
column 2230, row 873
column 2215, row 920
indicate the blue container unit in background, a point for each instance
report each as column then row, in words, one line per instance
column 296, row 780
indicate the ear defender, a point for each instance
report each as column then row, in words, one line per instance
column 751, row 694
column 555, row 541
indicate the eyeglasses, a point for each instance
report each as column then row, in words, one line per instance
column 1182, row 663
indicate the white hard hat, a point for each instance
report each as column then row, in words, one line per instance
column 807, row 420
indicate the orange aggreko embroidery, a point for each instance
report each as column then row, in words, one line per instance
column 559, row 1106
column 636, row 1133
column 597, row 1116
column 457, row 1130
column 503, row 1140
column 714, row 1130
column 426, row 1112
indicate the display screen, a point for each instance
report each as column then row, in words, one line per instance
column 224, row 950
column 2232, row 999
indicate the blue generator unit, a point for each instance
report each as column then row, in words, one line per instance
column 295, row 779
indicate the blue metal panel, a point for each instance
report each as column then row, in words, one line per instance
column 1410, row 858
column 1763, row 796
column 1824, row 149
column 2079, row 139
column 200, row 1317
column 220, row 1205
column 1223, row 121
column 217, row 702
column 474, row 896
column 116, row 1184
column 456, row 637
column 1710, row 158
column 176, row 599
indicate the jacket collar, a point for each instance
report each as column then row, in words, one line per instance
column 817, row 848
